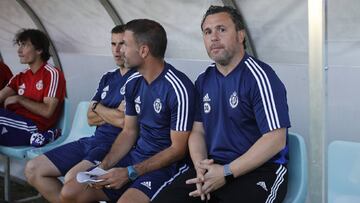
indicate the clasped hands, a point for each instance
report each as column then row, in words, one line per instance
column 209, row 177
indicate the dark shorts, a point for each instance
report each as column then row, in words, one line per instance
column 150, row 183
column 67, row 156
column 15, row 130
column 266, row 184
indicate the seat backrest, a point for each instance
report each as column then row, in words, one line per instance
column 344, row 171
column 21, row 152
column 297, row 167
column 64, row 122
column 80, row 127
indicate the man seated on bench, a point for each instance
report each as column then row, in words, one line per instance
column 106, row 111
column 33, row 99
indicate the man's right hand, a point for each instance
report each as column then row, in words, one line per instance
column 199, row 181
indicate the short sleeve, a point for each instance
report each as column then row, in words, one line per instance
column 97, row 95
column 14, row 82
column 182, row 107
column 268, row 95
column 129, row 98
column 54, row 83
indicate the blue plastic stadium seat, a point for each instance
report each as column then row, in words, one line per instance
column 80, row 128
column 297, row 167
column 344, row 172
column 20, row 152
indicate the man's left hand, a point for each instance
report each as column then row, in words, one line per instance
column 213, row 178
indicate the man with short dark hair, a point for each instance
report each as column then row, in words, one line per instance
column 33, row 99
column 238, row 141
column 106, row 112
column 146, row 155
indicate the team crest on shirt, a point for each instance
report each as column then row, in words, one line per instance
column 105, row 90
column 157, row 105
column 39, row 85
column 137, row 105
column 234, row 100
column 21, row 89
column 206, row 100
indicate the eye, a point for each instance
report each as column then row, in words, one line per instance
column 221, row 29
column 206, row 32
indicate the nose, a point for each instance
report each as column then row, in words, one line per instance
column 118, row 48
column 214, row 36
column 19, row 49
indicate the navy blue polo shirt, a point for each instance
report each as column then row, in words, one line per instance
column 237, row 109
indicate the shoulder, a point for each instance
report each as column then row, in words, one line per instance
column 109, row 73
column 258, row 70
column 177, row 78
column 52, row 71
column 261, row 74
column 22, row 73
column 207, row 73
column 131, row 82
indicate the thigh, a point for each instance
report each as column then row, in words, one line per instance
column 43, row 166
column 134, row 196
column 81, row 166
column 177, row 191
column 67, row 156
column 15, row 130
column 266, row 184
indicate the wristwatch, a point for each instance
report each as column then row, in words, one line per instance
column 93, row 107
column 228, row 174
column 132, row 173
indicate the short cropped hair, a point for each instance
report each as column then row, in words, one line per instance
column 38, row 39
column 234, row 15
column 150, row 33
column 118, row 29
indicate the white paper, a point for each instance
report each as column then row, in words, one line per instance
column 90, row 176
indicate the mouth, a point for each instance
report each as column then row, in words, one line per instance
column 216, row 47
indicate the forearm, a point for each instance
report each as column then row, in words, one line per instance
column 197, row 148
column 6, row 92
column 160, row 160
column 112, row 116
column 39, row 108
column 122, row 145
column 264, row 149
column 94, row 119
column 197, row 144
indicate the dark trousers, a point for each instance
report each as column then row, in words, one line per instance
column 266, row 184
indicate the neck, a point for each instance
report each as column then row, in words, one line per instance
column 226, row 69
column 35, row 66
column 123, row 70
column 151, row 69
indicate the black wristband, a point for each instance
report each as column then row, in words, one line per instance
column 229, row 178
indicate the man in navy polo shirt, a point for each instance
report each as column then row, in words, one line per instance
column 238, row 141
column 106, row 112
column 148, row 153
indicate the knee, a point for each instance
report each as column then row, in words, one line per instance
column 31, row 170
column 69, row 192
column 69, row 176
